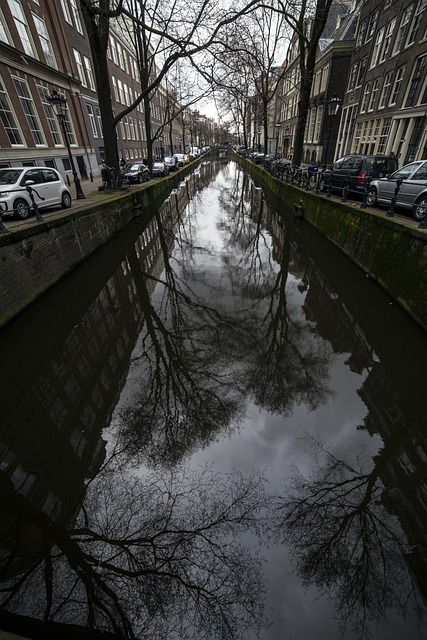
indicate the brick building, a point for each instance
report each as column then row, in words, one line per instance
column 385, row 102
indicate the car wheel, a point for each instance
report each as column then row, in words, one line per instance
column 66, row 200
column 139, row 179
column 21, row 210
column 371, row 197
column 420, row 209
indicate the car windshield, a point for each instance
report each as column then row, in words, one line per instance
column 9, row 176
column 134, row 167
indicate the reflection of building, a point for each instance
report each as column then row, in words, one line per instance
column 51, row 434
column 401, row 465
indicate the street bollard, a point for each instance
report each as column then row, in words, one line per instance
column 390, row 212
column 30, row 190
column 423, row 222
column 345, row 189
column 328, row 193
column 365, row 193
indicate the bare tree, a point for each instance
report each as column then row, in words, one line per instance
column 184, row 31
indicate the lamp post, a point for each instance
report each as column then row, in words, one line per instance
column 59, row 102
column 259, row 139
column 277, row 125
column 334, row 104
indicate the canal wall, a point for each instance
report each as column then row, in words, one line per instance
column 393, row 253
column 34, row 256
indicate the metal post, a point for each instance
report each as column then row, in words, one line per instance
column 35, row 205
column 328, row 193
column 59, row 101
column 363, row 204
column 345, row 189
column 390, row 212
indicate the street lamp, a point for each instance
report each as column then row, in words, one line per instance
column 334, row 104
column 59, row 102
column 277, row 125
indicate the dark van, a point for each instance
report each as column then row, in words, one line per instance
column 355, row 169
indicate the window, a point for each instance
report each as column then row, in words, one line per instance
column 79, row 65
column 361, row 74
column 76, row 16
column 51, row 118
column 372, row 24
column 98, row 117
column 397, row 84
column 400, row 38
column 377, row 47
column 385, row 131
column 89, row 73
column 388, row 37
column 45, row 41
column 22, row 27
column 92, row 120
column 116, row 93
column 4, row 37
column 421, row 173
column 375, row 87
column 29, row 110
column 416, row 22
column 352, row 78
column 366, row 94
column 8, row 119
column 386, row 90
column 361, row 34
column 113, row 49
column 66, row 11
column 418, row 75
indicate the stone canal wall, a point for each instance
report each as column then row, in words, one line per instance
column 392, row 252
column 34, row 257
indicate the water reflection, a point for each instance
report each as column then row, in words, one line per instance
column 213, row 323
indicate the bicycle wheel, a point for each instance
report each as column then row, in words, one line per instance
column 312, row 181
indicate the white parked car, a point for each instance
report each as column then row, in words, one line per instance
column 48, row 189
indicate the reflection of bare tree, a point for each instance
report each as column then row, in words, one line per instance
column 287, row 362
column 147, row 557
column 345, row 540
column 184, row 395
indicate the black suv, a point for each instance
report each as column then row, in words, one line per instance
column 355, row 169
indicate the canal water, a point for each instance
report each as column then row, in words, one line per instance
column 215, row 428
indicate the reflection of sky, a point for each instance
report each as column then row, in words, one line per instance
column 279, row 444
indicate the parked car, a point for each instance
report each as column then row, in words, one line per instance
column 48, row 189
column 172, row 162
column 356, row 169
column 412, row 192
column 180, row 158
column 160, row 169
column 137, row 172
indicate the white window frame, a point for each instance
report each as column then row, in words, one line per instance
column 92, row 120
column 9, row 118
column 22, row 27
column 44, row 38
column 29, row 109
column 80, row 67
column 89, row 72
column 51, row 118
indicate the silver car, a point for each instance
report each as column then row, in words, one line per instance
column 411, row 192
